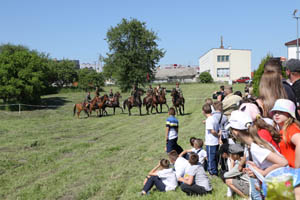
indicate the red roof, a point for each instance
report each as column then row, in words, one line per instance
column 293, row 42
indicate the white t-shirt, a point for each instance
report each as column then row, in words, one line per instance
column 180, row 166
column 210, row 139
column 200, row 177
column 168, row 177
column 259, row 156
column 202, row 154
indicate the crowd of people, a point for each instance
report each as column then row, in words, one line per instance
column 247, row 139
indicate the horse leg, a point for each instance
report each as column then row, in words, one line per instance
column 140, row 108
column 156, row 108
column 183, row 108
column 160, row 108
column 151, row 109
column 129, row 107
column 167, row 106
column 180, row 110
column 114, row 110
column 176, row 110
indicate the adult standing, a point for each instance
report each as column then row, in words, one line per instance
column 293, row 72
column 230, row 101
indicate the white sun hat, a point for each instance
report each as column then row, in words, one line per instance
column 239, row 120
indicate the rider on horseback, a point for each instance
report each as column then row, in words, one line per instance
column 97, row 92
column 150, row 90
column 133, row 93
column 111, row 96
column 87, row 99
column 179, row 90
column 158, row 90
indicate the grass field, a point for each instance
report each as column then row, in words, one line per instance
column 49, row 154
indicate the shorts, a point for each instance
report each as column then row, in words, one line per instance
column 242, row 185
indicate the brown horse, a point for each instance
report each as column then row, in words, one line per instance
column 134, row 101
column 79, row 107
column 150, row 101
column 162, row 99
column 178, row 102
column 114, row 103
column 99, row 104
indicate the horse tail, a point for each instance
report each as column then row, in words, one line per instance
column 74, row 110
column 124, row 103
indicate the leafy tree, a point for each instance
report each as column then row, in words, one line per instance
column 133, row 53
column 62, row 72
column 89, row 78
column 205, row 77
column 22, row 73
column 258, row 74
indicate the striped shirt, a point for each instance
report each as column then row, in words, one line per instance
column 172, row 124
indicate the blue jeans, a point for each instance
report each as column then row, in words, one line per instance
column 255, row 194
column 212, row 159
column 172, row 145
column 154, row 180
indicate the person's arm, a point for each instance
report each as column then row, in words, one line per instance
column 278, row 161
column 153, row 172
column 189, row 180
column 296, row 141
column 242, row 163
column 212, row 131
column 184, row 152
column 167, row 133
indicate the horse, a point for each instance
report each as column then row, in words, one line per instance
column 162, row 99
column 114, row 103
column 178, row 102
column 134, row 101
column 99, row 104
column 150, row 101
column 79, row 107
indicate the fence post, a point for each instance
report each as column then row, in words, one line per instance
column 19, row 109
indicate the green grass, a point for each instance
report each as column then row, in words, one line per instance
column 49, row 154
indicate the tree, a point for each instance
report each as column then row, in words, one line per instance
column 205, row 77
column 62, row 72
column 133, row 53
column 258, row 74
column 22, row 73
column 89, row 78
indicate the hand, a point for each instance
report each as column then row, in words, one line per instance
column 203, row 121
column 249, row 172
column 165, row 148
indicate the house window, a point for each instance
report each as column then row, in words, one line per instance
column 223, row 72
column 223, row 58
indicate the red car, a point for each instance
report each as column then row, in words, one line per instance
column 242, row 80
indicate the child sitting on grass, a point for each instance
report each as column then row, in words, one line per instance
column 195, row 181
column 164, row 179
column 197, row 144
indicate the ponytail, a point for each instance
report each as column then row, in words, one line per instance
column 287, row 123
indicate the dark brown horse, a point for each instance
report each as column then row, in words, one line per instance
column 99, row 104
column 134, row 101
column 150, row 101
column 162, row 99
column 114, row 103
column 178, row 102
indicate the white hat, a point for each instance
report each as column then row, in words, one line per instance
column 239, row 120
column 284, row 105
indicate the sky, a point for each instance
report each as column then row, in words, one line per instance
column 76, row 29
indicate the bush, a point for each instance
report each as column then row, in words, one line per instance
column 205, row 77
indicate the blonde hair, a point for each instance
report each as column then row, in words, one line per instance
column 271, row 89
column 287, row 124
column 252, row 132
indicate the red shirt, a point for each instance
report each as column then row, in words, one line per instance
column 288, row 148
column 266, row 135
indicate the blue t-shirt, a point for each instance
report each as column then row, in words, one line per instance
column 172, row 124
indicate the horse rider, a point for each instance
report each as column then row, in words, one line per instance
column 158, row 90
column 179, row 90
column 111, row 96
column 97, row 92
column 87, row 99
column 150, row 90
column 133, row 93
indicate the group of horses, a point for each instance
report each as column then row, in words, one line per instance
column 151, row 100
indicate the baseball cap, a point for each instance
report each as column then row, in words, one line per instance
column 293, row 65
column 251, row 109
column 236, row 148
column 239, row 120
column 284, row 105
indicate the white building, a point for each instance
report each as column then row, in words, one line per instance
column 226, row 64
column 292, row 48
column 95, row 66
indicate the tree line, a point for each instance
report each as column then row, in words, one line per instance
column 26, row 75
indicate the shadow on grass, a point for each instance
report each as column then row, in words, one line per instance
column 54, row 102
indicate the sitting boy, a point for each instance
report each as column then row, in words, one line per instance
column 234, row 178
column 195, row 181
column 164, row 179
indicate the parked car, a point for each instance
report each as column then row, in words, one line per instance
column 243, row 79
